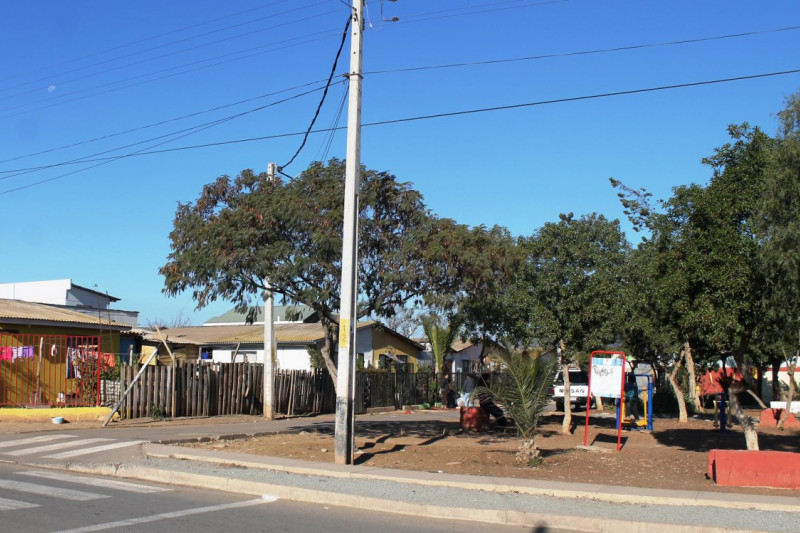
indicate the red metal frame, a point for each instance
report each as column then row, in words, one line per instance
column 589, row 396
column 49, row 370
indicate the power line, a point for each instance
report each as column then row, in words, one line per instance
column 424, row 68
column 324, row 94
column 146, row 39
column 419, row 118
column 193, row 129
column 165, row 45
column 409, row 19
column 586, row 52
column 155, row 124
column 325, row 34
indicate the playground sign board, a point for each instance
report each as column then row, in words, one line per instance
column 606, row 376
column 606, row 379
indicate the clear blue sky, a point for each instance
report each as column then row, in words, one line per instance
column 71, row 72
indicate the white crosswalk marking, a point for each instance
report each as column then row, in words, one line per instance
column 94, row 482
column 33, row 440
column 51, row 447
column 54, row 492
column 10, row 505
column 86, row 451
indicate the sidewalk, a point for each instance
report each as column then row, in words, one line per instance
column 528, row 503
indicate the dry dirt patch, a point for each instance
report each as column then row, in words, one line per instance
column 673, row 456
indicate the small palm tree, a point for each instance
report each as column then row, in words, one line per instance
column 440, row 336
column 522, row 388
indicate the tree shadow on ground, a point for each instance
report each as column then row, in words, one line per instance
column 366, row 457
column 701, row 440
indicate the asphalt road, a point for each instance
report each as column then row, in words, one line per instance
column 35, row 500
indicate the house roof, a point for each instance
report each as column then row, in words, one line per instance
column 233, row 317
column 285, row 333
column 19, row 312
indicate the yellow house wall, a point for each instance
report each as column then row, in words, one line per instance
column 47, row 367
column 383, row 341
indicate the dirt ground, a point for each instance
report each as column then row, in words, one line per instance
column 673, row 456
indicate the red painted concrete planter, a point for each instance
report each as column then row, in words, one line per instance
column 474, row 419
column 769, row 418
column 744, row 468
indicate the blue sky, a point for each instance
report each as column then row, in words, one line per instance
column 78, row 71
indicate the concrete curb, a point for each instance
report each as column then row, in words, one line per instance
column 605, row 493
column 503, row 517
column 70, row 414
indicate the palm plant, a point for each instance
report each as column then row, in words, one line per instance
column 522, row 388
column 440, row 336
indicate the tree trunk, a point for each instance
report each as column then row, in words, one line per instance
column 750, row 433
column 598, row 403
column 566, row 424
column 331, row 337
column 741, row 366
column 785, row 415
column 673, row 380
column 693, row 394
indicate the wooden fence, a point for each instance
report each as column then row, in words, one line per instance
column 200, row 390
column 203, row 389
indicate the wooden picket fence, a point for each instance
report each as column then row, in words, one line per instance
column 203, row 389
column 223, row 389
column 200, row 390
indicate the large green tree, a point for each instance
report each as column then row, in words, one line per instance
column 706, row 282
column 779, row 232
column 572, row 282
column 242, row 232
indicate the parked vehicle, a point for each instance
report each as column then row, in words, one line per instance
column 578, row 389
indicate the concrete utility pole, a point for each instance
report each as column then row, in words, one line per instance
column 344, row 438
column 269, row 337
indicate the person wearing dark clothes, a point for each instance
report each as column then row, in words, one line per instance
column 632, row 397
column 489, row 406
column 448, row 396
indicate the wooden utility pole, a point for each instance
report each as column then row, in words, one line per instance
column 269, row 336
column 344, row 434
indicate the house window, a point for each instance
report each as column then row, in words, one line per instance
column 359, row 361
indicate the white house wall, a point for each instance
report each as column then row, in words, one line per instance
column 364, row 345
column 44, row 292
column 472, row 353
column 289, row 358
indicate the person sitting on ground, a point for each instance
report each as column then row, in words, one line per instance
column 488, row 405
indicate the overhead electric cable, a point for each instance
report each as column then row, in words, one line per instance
column 199, row 127
column 412, row 69
column 146, row 39
column 162, row 56
column 409, row 19
column 322, row 154
column 202, row 67
column 586, row 52
column 155, row 124
column 165, row 45
column 423, row 117
column 324, row 94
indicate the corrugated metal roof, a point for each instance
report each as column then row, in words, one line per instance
column 284, row 333
column 17, row 310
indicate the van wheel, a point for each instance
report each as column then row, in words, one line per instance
column 560, row 405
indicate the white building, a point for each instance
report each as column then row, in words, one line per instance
column 65, row 294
